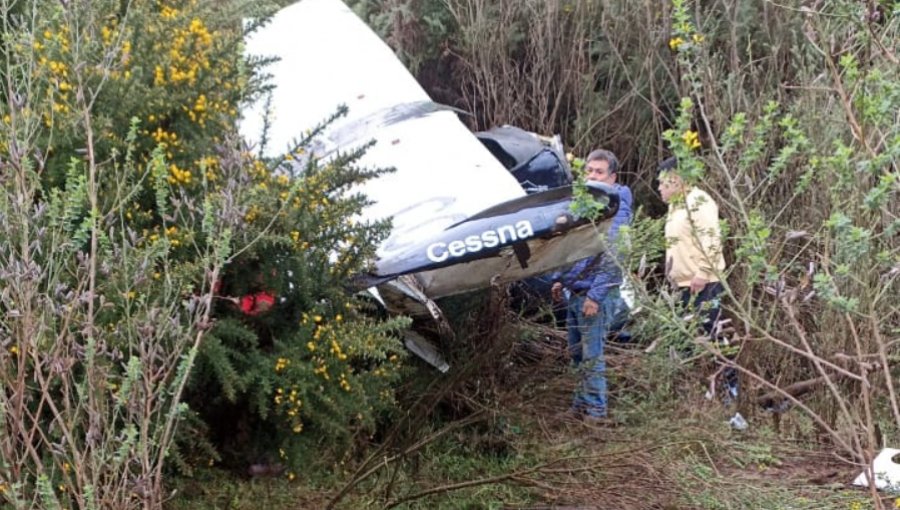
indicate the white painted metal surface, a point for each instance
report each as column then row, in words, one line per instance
column 329, row 57
column 885, row 470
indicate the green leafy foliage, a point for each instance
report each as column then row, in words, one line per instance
column 584, row 205
column 294, row 364
column 134, row 226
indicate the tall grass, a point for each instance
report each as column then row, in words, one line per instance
column 796, row 107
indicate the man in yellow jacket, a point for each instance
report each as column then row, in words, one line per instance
column 694, row 260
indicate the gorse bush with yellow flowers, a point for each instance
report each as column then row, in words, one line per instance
column 294, row 369
column 170, row 64
column 156, row 276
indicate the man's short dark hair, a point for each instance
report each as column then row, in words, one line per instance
column 604, row 155
column 667, row 165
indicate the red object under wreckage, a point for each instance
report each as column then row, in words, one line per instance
column 255, row 304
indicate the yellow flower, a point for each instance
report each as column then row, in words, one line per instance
column 698, row 38
column 168, row 12
column 691, row 139
column 159, row 76
column 200, row 103
column 179, row 175
column 675, row 43
column 251, row 214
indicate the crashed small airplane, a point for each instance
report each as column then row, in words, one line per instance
column 461, row 219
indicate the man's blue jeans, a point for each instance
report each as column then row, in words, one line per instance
column 587, row 336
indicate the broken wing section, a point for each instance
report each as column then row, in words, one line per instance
column 328, row 57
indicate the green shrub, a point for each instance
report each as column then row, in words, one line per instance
column 132, row 220
column 313, row 372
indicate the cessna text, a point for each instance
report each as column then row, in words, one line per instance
column 440, row 251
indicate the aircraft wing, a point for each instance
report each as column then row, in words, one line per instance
column 329, row 57
column 460, row 219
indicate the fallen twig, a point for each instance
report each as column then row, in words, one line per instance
column 795, row 390
column 467, row 484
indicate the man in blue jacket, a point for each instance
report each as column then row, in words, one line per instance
column 592, row 289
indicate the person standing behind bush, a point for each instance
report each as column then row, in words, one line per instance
column 592, row 289
column 694, row 260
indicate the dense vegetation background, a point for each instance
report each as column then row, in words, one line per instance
column 170, row 302
column 788, row 114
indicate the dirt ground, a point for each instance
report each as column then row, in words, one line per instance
column 669, row 448
column 665, row 448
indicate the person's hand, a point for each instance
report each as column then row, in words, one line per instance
column 697, row 284
column 556, row 292
column 590, row 307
